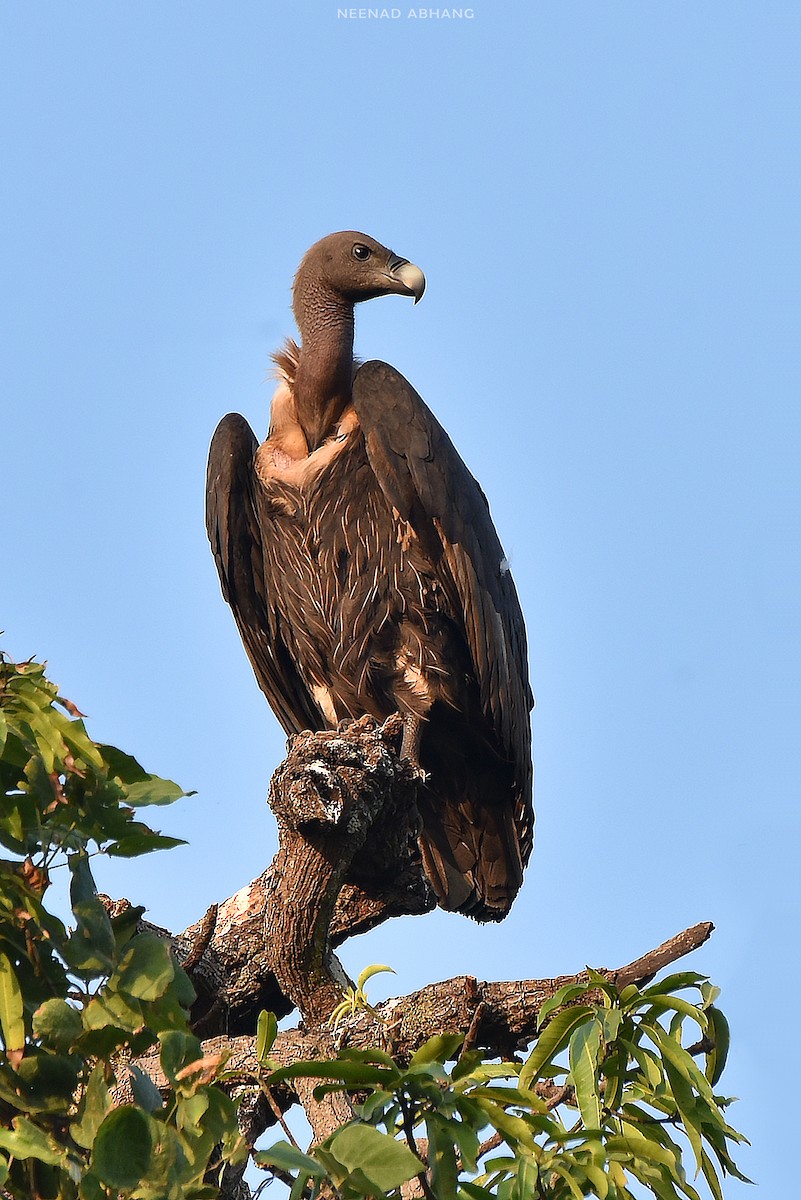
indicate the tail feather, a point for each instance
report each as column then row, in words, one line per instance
column 471, row 853
column 474, row 842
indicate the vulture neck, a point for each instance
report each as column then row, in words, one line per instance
column 324, row 376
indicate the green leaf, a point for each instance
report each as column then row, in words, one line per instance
column 91, row 946
column 369, row 972
column 611, row 1019
column 674, row 1052
column 676, row 982
column 615, row 1069
column 648, row 1063
column 191, row 1109
column 527, row 1181
column 719, row 1034
column 141, row 843
column 91, row 1187
column 709, row 994
column 659, row 1004
column 13, row 824
column 57, row 1023
column 153, row 790
column 82, row 884
column 182, row 990
column 598, row 1179
column 178, row 1050
column 570, row 991
column 711, row 1176
column 145, row 1092
column 96, row 1103
column 122, row 766
column 72, row 1049
column 266, row 1032
column 289, row 1158
column 12, row 1020
column 125, row 924
column 386, row 1162
column 635, row 1143
column 110, row 1008
column 683, row 1094
column 439, row 1048
column 474, row 1192
column 656, row 1180
column 352, row 1074
column 717, row 1139
column 466, row 1064
column 370, row 1055
column 567, row 1176
column 551, row 1041
column 441, row 1157
column 123, row 1148
column 600, row 981
column 147, row 968
column 585, row 1045
column 27, row 1140
column 49, row 1079
column 467, row 1140
column 299, row 1188
column 378, row 1108
column 514, row 1129
column 506, row 1096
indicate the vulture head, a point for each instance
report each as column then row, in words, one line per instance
column 335, row 274
column 345, row 268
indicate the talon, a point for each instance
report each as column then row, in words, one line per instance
column 393, row 725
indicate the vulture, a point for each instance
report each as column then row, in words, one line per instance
column 360, row 560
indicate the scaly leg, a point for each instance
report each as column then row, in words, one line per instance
column 410, row 745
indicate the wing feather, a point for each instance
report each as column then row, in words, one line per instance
column 234, row 526
column 424, row 478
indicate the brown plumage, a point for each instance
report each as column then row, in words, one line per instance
column 366, row 576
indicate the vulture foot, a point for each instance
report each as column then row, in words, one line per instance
column 410, row 745
column 365, row 724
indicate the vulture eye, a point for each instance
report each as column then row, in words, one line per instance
column 362, row 253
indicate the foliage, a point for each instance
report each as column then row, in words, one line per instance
column 609, row 1094
column 77, row 1002
column 356, row 997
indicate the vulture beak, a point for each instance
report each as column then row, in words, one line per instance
column 411, row 279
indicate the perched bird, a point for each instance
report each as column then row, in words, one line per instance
column 366, row 577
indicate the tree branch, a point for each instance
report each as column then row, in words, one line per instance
column 339, row 871
column 348, row 859
column 404, row 1023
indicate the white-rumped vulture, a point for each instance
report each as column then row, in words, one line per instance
column 365, row 574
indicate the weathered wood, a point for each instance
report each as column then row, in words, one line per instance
column 339, row 871
column 326, row 798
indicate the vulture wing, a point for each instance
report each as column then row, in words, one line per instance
column 236, row 541
column 425, row 480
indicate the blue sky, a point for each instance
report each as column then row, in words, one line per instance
column 604, row 197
